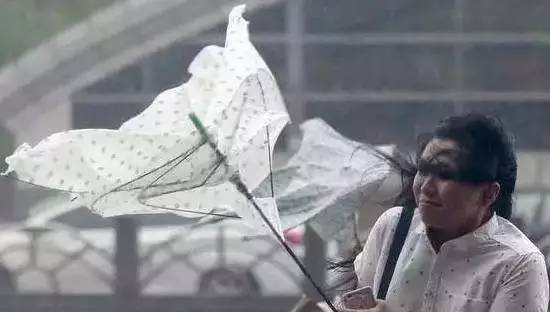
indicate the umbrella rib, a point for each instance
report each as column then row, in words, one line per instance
column 118, row 188
column 241, row 187
column 268, row 143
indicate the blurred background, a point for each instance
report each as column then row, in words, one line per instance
column 380, row 72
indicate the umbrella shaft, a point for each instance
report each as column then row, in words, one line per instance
column 243, row 189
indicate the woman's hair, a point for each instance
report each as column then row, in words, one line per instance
column 486, row 154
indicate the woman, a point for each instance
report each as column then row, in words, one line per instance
column 461, row 253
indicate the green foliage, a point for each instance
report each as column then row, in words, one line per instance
column 7, row 145
column 24, row 24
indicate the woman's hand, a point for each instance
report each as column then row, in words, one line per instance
column 380, row 307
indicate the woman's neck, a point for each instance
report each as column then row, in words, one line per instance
column 438, row 237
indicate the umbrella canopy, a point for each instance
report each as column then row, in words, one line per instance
column 159, row 161
column 205, row 148
column 328, row 179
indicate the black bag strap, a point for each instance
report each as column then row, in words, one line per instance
column 399, row 237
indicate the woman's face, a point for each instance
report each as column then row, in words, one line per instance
column 446, row 204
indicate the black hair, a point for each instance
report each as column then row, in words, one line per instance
column 485, row 154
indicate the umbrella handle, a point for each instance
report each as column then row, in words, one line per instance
column 305, row 305
column 241, row 187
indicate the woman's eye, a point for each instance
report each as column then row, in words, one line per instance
column 446, row 175
column 438, row 173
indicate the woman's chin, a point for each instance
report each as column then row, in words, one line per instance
column 431, row 219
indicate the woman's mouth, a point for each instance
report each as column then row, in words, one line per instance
column 425, row 202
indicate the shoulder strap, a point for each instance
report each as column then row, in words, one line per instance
column 399, row 237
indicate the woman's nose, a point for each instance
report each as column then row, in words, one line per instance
column 427, row 184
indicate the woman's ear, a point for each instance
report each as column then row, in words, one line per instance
column 490, row 194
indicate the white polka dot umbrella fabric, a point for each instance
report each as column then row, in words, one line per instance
column 328, row 179
column 157, row 161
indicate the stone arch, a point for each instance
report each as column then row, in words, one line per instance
column 7, row 186
column 106, row 42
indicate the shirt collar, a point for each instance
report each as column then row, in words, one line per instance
column 488, row 229
column 484, row 232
